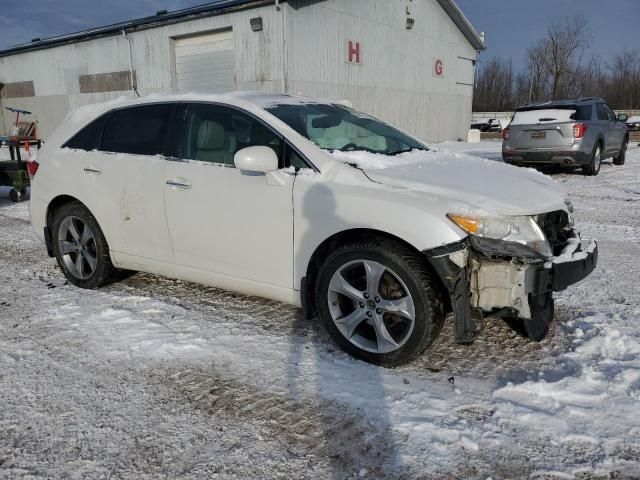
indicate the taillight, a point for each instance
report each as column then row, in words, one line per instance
column 579, row 130
column 32, row 168
column 506, row 133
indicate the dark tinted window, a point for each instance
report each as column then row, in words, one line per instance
column 602, row 113
column 609, row 112
column 214, row 133
column 583, row 112
column 138, row 130
column 89, row 137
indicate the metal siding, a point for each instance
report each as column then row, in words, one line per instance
column 205, row 62
column 395, row 80
column 55, row 71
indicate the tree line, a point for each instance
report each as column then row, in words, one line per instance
column 558, row 66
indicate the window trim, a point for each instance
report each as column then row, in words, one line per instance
column 305, row 159
column 104, row 117
column 286, row 143
column 166, row 146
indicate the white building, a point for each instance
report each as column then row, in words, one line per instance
column 409, row 62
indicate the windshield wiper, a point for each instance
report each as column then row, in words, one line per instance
column 398, row 152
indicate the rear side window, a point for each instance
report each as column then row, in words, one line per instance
column 140, row 130
column 583, row 112
column 89, row 137
column 602, row 113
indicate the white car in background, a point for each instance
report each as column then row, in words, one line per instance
column 311, row 203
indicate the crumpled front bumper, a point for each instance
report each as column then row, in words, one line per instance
column 488, row 276
column 576, row 261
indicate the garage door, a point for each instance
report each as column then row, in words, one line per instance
column 205, row 63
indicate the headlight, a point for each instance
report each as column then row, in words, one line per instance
column 523, row 230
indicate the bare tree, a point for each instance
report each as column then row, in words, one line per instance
column 557, row 66
column 564, row 48
column 494, row 86
column 538, row 73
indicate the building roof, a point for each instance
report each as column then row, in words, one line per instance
column 208, row 9
column 463, row 24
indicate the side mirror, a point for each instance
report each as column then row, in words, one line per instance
column 623, row 117
column 256, row 159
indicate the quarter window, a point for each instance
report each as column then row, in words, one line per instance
column 89, row 137
column 214, row 133
column 583, row 112
column 138, row 130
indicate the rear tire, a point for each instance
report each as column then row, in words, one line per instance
column 80, row 247
column 619, row 160
column 379, row 301
column 15, row 195
column 593, row 167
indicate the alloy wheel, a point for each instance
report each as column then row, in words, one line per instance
column 371, row 306
column 77, row 246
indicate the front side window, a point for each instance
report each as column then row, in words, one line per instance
column 141, row 130
column 335, row 127
column 609, row 112
column 214, row 133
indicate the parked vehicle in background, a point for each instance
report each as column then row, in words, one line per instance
column 491, row 125
column 570, row 133
column 633, row 123
column 311, row 203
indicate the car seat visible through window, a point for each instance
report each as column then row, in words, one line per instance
column 214, row 144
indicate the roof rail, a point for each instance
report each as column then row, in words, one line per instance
column 587, row 99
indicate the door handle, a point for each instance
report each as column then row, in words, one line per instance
column 92, row 170
column 177, row 184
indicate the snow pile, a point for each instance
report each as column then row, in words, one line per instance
column 374, row 161
column 594, row 391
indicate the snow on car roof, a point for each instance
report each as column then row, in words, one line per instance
column 256, row 98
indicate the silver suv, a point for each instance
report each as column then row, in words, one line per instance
column 579, row 132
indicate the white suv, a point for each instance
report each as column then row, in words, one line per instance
column 311, row 203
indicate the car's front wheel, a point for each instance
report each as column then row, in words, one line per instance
column 80, row 247
column 379, row 301
column 619, row 160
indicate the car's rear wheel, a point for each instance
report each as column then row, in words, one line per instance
column 80, row 247
column 619, row 160
column 593, row 167
column 379, row 302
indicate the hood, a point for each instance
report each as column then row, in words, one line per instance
column 484, row 187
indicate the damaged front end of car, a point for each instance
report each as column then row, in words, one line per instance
column 499, row 270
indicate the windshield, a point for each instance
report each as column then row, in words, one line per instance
column 335, row 127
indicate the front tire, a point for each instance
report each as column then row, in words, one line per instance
column 379, row 301
column 619, row 160
column 80, row 247
column 593, row 167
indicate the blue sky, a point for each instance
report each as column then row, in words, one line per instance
column 510, row 26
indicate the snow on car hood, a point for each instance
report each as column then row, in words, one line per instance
column 485, row 186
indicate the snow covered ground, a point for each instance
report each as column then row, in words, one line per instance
column 153, row 377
